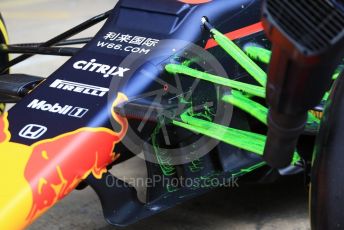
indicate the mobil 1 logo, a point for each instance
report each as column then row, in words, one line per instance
column 65, row 110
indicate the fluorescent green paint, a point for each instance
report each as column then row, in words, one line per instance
column 259, row 111
column 163, row 158
column 249, row 141
column 337, row 72
column 239, row 56
column 253, row 108
column 258, row 54
column 249, row 169
column 196, row 166
column 248, row 88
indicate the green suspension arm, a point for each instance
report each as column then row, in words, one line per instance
column 239, row 56
column 249, row 141
column 247, row 88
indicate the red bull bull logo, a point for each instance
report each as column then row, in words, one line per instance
column 36, row 177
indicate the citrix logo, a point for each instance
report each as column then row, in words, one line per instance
column 106, row 70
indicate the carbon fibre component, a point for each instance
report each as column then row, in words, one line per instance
column 17, row 85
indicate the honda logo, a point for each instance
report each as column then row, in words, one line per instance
column 32, row 131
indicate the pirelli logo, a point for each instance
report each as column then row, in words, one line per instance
column 79, row 88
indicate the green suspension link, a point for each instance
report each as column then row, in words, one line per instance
column 253, row 108
column 239, row 56
column 249, row 141
column 260, row 112
column 247, row 88
column 264, row 55
column 258, row 54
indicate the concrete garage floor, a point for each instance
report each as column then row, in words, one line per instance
column 282, row 205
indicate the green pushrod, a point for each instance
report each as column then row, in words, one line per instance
column 247, row 88
column 239, row 56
